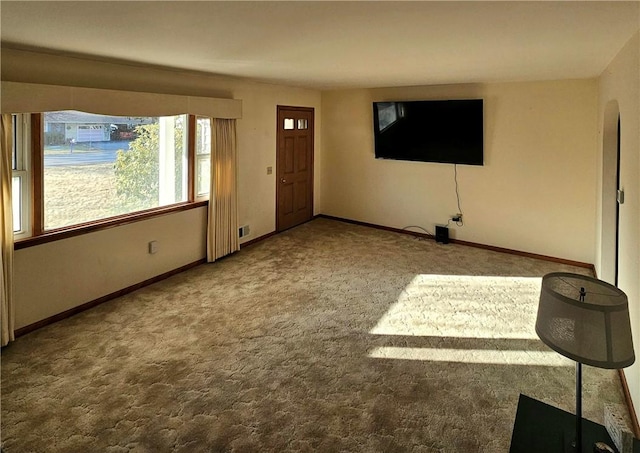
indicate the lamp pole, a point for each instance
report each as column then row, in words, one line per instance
column 579, row 407
column 583, row 293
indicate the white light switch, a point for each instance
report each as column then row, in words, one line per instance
column 269, row 170
column 153, row 247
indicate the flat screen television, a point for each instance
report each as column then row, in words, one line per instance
column 450, row 131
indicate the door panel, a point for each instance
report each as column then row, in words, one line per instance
column 294, row 167
column 301, row 198
column 288, row 161
column 286, row 197
column 301, row 164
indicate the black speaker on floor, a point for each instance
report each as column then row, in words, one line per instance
column 442, row 234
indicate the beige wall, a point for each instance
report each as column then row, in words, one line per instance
column 54, row 277
column 620, row 87
column 535, row 193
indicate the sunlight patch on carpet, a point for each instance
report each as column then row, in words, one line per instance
column 487, row 320
column 464, row 307
column 484, row 356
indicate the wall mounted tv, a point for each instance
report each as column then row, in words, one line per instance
column 449, row 131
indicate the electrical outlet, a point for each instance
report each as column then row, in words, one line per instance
column 153, row 247
column 457, row 217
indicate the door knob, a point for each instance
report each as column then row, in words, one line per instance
column 284, row 180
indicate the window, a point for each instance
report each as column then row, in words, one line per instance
column 289, row 124
column 203, row 156
column 90, row 168
column 98, row 166
column 20, row 176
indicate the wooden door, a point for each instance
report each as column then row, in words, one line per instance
column 294, row 167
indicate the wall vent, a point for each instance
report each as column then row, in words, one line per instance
column 243, row 231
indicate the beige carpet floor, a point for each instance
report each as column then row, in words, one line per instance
column 329, row 337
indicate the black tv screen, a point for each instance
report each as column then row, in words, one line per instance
column 449, row 131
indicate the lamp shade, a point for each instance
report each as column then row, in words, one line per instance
column 586, row 320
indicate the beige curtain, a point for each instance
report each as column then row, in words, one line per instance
column 6, row 232
column 222, row 236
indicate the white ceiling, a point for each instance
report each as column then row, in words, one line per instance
column 336, row 44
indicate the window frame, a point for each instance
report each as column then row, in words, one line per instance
column 198, row 157
column 34, row 153
column 22, row 170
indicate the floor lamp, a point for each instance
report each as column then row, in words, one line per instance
column 586, row 320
